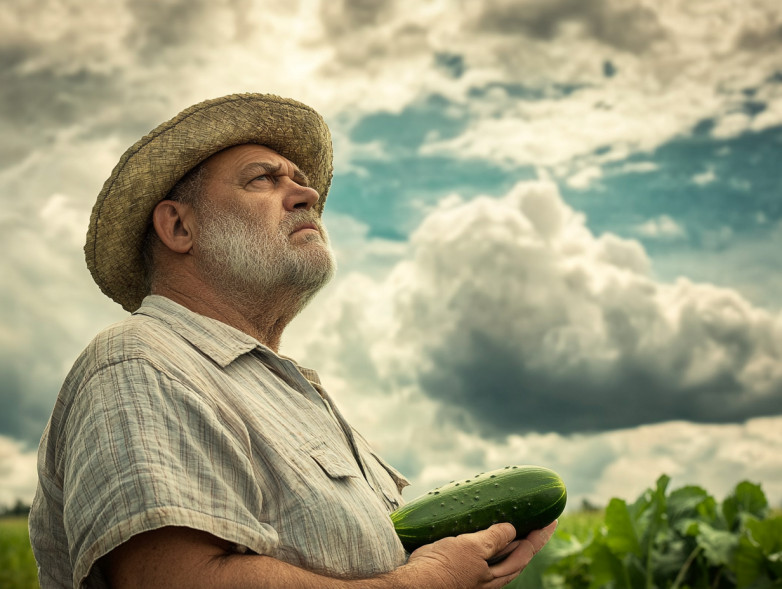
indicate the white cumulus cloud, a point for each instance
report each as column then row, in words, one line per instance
column 514, row 317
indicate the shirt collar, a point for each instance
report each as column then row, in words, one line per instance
column 218, row 340
column 221, row 342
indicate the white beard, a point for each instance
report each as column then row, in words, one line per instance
column 240, row 258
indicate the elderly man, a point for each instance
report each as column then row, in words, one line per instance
column 183, row 450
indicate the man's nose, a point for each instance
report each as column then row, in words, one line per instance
column 299, row 197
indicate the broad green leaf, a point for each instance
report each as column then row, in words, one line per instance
column 749, row 563
column 683, row 503
column 636, row 572
column 668, row 558
column 648, row 516
column 718, row 545
column 662, row 483
column 767, row 534
column 648, row 498
column 689, row 506
column 708, row 510
column 620, row 536
column 747, row 499
column 652, row 529
column 606, row 569
column 563, row 545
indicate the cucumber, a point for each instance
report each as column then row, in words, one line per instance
column 529, row 497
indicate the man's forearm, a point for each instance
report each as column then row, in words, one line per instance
column 175, row 557
column 264, row 572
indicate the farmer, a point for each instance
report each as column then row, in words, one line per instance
column 183, row 450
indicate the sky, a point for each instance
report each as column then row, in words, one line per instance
column 557, row 222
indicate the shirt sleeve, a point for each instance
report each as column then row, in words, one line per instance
column 143, row 451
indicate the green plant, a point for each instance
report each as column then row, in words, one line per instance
column 679, row 540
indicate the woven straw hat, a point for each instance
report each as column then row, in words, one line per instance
column 150, row 168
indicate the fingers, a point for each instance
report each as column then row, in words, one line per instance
column 539, row 538
column 522, row 555
column 493, row 539
column 467, row 560
column 500, row 556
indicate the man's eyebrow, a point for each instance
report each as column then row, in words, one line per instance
column 300, row 177
column 261, row 168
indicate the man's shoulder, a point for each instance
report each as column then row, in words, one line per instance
column 136, row 338
column 113, row 355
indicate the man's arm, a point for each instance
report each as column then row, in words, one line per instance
column 175, row 557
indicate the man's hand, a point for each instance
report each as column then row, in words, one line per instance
column 461, row 562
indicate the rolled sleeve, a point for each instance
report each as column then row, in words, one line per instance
column 145, row 452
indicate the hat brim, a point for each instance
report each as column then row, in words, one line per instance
column 152, row 166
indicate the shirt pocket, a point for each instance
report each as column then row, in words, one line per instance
column 334, row 465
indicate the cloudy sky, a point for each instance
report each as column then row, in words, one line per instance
column 558, row 222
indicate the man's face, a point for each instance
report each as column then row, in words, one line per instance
column 257, row 231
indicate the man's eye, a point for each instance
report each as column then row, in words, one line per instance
column 265, row 177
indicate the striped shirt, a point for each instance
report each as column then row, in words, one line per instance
column 170, row 418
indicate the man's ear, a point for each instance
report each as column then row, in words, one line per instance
column 173, row 223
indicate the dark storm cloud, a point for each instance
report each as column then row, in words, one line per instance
column 25, row 403
column 493, row 389
column 35, row 106
column 50, row 312
column 87, row 70
column 632, row 28
column 370, row 36
column 10, row 401
column 767, row 37
column 343, row 16
column 50, row 307
column 188, row 25
column 522, row 320
column 64, row 79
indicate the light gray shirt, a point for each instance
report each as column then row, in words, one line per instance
column 170, row 418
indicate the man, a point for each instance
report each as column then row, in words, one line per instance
column 183, row 451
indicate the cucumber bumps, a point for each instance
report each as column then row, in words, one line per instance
column 529, row 497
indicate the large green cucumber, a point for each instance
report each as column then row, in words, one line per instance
column 529, row 497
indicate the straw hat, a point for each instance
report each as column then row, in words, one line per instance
column 150, row 168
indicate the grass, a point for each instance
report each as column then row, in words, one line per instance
column 581, row 523
column 17, row 565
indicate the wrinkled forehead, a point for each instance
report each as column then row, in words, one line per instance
column 252, row 157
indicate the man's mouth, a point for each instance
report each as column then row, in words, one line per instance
column 304, row 226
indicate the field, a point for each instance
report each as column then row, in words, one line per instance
column 664, row 540
column 17, row 565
